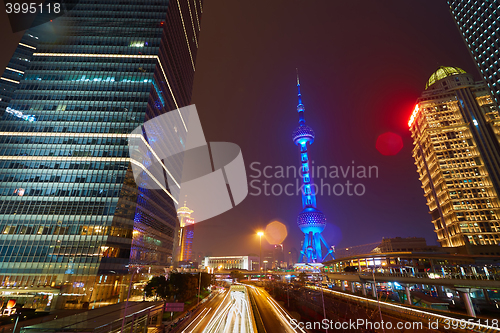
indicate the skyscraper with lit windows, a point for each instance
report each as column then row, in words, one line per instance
column 455, row 127
column 73, row 223
column 186, row 235
column 479, row 24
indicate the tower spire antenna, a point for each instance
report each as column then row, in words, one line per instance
column 298, row 89
column 300, row 106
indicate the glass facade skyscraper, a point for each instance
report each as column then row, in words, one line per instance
column 455, row 127
column 479, row 23
column 14, row 72
column 73, row 223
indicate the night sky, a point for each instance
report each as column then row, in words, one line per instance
column 362, row 66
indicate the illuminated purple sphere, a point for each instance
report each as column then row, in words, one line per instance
column 311, row 219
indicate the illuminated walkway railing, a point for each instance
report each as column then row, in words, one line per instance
column 451, row 324
column 451, row 280
column 437, row 275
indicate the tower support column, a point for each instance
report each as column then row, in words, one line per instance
column 374, row 289
column 408, row 295
column 486, row 296
column 440, row 291
column 465, row 296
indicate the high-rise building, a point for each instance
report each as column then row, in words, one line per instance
column 278, row 256
column 455, row 130
column 73, row 223
column 186, row 235
column 292, row 256
column 200, row 257
column 311, row 220
column 478, row 21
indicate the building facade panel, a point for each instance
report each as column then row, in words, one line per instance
column 478, row 22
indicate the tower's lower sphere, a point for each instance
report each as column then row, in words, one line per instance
column 311, row 220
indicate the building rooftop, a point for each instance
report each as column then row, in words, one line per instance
column 443, row 72
column 184, row 210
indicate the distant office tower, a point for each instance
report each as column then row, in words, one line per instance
column 73, row 223
column 268, row 257
column 311, row 220
column 455, row 129
column 278, row 256
column 200, row 257
column 478, row 21
column 292, row 256
column 186, row 234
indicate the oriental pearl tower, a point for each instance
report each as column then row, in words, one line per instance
column 311, row 220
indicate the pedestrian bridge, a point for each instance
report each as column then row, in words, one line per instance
column 477, row 281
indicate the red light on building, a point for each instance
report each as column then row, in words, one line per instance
column 413, row 115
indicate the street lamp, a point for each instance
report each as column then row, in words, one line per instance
column 265, row 265
column 260, row 234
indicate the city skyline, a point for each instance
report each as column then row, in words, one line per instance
column 148, row 181
column 360, row 84
column 357, row 97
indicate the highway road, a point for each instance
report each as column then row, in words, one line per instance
column 228, row 312
column 234, row 315
column 274, row 318
column 198, row 318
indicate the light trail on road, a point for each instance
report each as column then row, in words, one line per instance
column 201, row 313
column 280, row 313
column 232, row 315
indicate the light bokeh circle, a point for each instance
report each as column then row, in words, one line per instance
column 275, row 233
